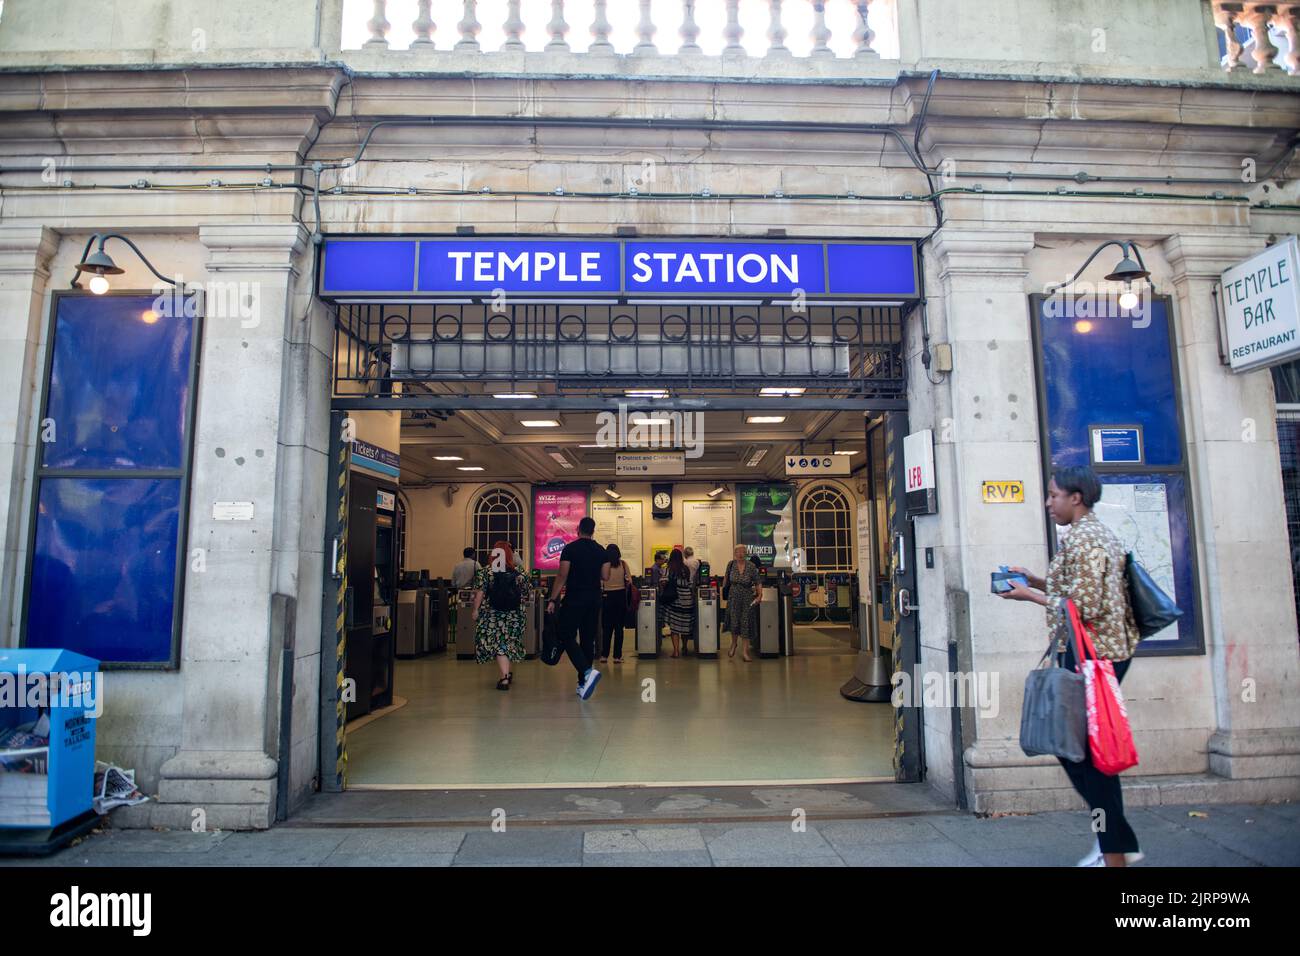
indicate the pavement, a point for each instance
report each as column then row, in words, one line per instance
column 770, row 830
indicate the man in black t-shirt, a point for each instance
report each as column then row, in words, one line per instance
column 584, row 567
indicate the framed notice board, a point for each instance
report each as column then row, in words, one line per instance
column 1108, row 397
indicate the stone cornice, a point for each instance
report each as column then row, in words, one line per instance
column 1206, row 256
column 27, row 250
column 981, row 252
column 269, row 247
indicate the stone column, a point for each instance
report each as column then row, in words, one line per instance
column 985, row 426
column 25, row 253
column 1245, row 568
column 230, row 655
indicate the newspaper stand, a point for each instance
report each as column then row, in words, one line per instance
column 47, row 748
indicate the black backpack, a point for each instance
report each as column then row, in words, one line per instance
column 670, row 590
column 504, row 593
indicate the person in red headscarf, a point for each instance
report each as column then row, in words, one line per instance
column 500, row 592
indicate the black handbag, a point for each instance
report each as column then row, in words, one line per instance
column 552, row 649
column 1153, row 609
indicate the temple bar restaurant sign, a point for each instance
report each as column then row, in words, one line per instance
column 382, row 266
column 1261, row 308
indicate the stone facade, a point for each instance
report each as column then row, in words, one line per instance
column 1033, row 98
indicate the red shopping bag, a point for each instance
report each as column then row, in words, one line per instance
column 1110, row 738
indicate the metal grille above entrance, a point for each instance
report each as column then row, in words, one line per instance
column 854, row 351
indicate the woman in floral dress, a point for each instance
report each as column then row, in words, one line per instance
column 499, row 633
column 744, row 591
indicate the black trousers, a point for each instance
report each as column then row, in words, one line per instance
column 611, row 622
column 579, row 615
column 1101, row 791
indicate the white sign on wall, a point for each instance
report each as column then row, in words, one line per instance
column 1260, row 302
column 866, row 553
column 619, row 522
column 710, row 528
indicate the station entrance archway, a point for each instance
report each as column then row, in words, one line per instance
column 488, row 361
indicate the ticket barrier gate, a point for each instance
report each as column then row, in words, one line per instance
column 534, row 621
column 465, row 624
column 785, row 615
column 647, row 625
column 707, row 620
column 767, row 642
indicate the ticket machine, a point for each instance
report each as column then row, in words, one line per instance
column 767, row 642
column 647, row 625
column 707, row 621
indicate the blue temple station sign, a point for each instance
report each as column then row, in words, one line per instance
column 355, row 266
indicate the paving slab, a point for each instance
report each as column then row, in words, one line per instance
column 524, row 847
column 663, row 858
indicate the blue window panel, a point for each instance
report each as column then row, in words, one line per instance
column 352, row 265
column 104, row 568
column 1106, row 372
column 119, row 385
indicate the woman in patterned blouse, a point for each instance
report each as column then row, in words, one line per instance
column 1089, row 570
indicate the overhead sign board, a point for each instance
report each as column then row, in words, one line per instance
column 1260, row 303
column 814, row 466
column 635, row 464
column 382, row 265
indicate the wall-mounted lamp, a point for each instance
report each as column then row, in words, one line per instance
column 717, row 491
column 1126, row 270
column 612, row 493
column 100, row 264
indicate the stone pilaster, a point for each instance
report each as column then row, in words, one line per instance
column 1245, row 567
column 230, row 653
column 25, row 253
column 985, row 427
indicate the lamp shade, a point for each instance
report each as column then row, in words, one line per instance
column 100, row 263
column 1127, row 271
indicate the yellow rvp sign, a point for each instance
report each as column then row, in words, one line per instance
column 1003, row 492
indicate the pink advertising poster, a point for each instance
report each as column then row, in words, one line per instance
column 556, row 513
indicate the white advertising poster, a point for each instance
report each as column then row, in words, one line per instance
column 1260, row 301
column 710, row 528
column 619, row 522
column 866, row 583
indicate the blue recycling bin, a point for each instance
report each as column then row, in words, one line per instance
column 49, row 699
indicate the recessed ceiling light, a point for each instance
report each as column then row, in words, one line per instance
column 777, row 391
column 765, row 419
column 447, row 458
column 597, row 446
column 469, row 468
column 558, row 455
column 853, row 452
column 754, row 454
column 509, row 395
column 646, row 392
column 539, row 422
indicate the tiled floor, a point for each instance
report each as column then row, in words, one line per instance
column 660, row 721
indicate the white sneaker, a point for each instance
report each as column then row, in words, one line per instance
column 586, row 688
column 1095, row 858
